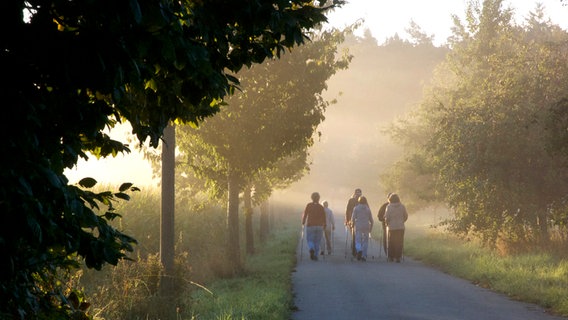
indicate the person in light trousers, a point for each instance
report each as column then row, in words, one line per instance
column 329, row 229
column 362, row 220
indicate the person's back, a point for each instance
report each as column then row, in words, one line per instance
column 395, row 216
column 362, row 218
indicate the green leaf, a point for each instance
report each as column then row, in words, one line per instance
column 125, row 186
column 87, row 182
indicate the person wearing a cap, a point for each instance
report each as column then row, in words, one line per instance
column 351, row 203
column 314, row 221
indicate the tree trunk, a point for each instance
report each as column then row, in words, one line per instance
column 233, row 243
column 264, row 221
column 168, row 211
column 248, row 221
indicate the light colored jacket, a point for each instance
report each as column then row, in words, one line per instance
column 362, row 218
column 329, row 221
column 396, row 216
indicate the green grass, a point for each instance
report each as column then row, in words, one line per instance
column 263, row 292
column 538, row 278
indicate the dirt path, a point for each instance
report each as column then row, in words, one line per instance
column 338, row 288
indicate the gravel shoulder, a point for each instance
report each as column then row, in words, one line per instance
column 338, row 287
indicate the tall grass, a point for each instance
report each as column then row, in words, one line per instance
column 205, row 286
column 540, row 277
column 263, row 292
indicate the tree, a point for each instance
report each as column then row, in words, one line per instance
column 78, row 67
column 481, row 128
column 274, row 116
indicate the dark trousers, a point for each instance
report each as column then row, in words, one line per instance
column 384, row 237
column 353, row 249
column 396, row 243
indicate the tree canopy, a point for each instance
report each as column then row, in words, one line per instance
column 76, row 68
column 481, row 132
column 272, row 119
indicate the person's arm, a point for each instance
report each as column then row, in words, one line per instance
column 381, row 214
column 305, row 216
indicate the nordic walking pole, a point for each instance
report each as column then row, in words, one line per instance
column 332, row 239
column 302, row 244
column 346, row 238
column 382, row 244
column 371, row 242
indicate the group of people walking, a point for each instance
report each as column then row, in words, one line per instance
column 319, row 224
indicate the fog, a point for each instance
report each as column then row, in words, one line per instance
column 381, row 84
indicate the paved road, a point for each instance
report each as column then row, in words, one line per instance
column 339, row 288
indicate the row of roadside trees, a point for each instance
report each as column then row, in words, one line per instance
column 76, row 69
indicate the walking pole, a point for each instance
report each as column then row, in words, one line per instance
column 302, row 244
column 382, row 244
column 402, row 247
column 332, row 240
column 370, row 246
column 325, row 243
column 346, row 238
column 388, row 243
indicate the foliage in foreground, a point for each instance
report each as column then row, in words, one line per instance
column 540, row 278
column 78, row 68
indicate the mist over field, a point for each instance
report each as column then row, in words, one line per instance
column 383, row 81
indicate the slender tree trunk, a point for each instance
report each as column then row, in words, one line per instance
column 233, row 243
column 264, row 221
column 248, row 221
column 167, row 208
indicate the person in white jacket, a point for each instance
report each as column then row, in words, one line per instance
column 329, row 229
column 395, row 217
column 362, row 220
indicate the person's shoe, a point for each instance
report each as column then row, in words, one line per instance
column 312, row 255
column 359, row 255
column 363, row 259
column 322, row 253
column 329, row 253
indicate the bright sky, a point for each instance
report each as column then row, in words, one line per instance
column 384, row 18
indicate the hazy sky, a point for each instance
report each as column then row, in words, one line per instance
column 383, row 18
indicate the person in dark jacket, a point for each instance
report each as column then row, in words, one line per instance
column 381, row 217
column 351, row 203
column 395, row 217
column 313, row 220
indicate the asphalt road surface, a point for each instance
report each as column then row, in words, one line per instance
column 338, row 287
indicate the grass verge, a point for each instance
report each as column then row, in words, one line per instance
column 263, row 292
column 538, row 278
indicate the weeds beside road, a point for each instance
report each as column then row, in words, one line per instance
column 539, row 278
column 265, row 291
